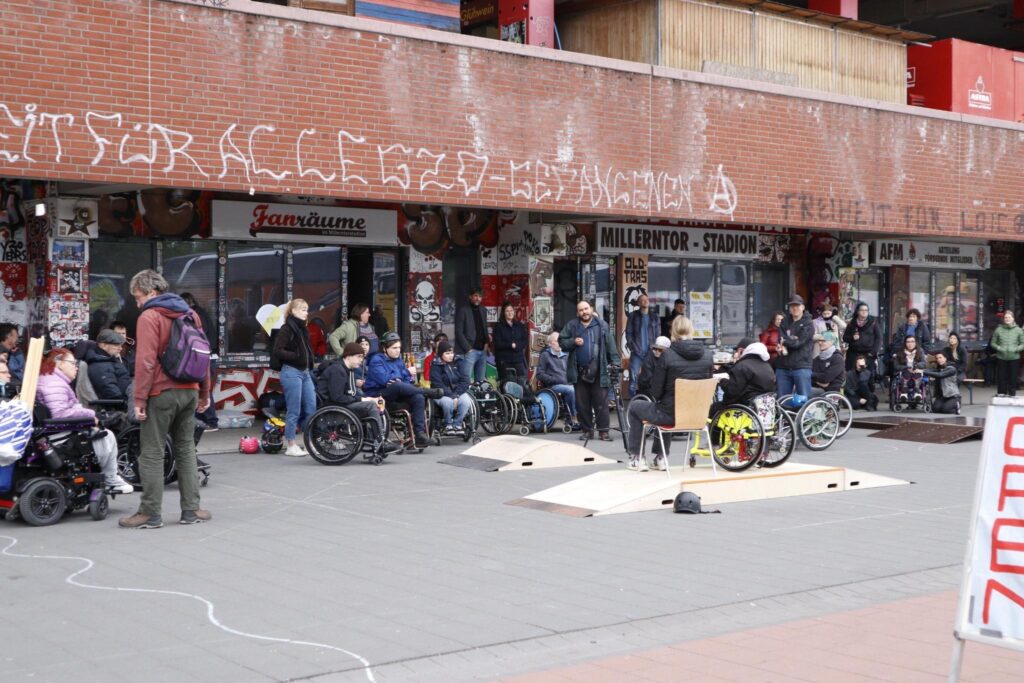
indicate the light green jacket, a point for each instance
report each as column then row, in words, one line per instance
column 345, row 334
column 1008, row 342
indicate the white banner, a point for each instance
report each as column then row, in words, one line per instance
column 301, row 223
column 992, row 595
column 670, row 240
column 932, row 254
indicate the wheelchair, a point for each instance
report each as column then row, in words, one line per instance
column 900, row 398
column 492, row 411
column 554, row 409
column 468, row 430
column 58, row 473
column 522, row 406
column 334, row 435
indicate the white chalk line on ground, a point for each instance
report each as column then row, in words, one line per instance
column 72, row 579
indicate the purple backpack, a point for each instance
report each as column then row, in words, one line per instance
column 187, row 356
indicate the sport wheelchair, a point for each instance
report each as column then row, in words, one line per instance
column 522, row 406
column 467, row 431
column 57, row 474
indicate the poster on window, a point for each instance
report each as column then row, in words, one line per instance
column 702, row 314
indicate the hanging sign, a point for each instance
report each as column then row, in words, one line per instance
column 702, row 314
column 932, row 254
column 668, row 240
column 301, row 223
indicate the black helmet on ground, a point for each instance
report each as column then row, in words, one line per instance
column 688, row 502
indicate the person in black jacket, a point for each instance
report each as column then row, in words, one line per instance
column 912, row 327
column 588, row 341
column 863, row 337
column 293, row 354
column 447, row 375
column 907, row 367
column 337, row 385
column 511, row 344
column 471, row 336
column 956, row 355
column 650, row 365
column 552, row 364
column 750, row 376
column 947, row 392
column 828, row 372
column 858, row 385
column 796, row 337
column 107, row 373
column 684, row 359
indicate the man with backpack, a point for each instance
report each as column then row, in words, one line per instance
column 172, row 382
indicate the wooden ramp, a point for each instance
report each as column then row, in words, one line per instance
column 614, row 491
column 938, row 431
column 509, row 452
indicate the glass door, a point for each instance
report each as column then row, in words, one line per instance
column 770, row 285
column 733, row 307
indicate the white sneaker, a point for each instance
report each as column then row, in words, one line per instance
column 634, row 463
column 295, row 451
column 120, row 485
column 643, row 464
column 659, row 463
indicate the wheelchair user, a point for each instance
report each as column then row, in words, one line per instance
column 338, row 385
column 56, row 373
column 8, row 388
column 551, row 373
column 448, row 376
column 387, row 377
column 108, row 373
column 650, row 364
column 908, row 367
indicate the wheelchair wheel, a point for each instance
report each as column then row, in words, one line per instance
column 129, row 447
column 43, row 503
column 845, row 409
column 333, row 435
column 99, row 505
column 817, row 424
column 549, row 400
column 737, row 438
column 781, row 441
column 470, row 423
column 509, row 412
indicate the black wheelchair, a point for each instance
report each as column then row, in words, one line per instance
column 522, row 405
column 492, row 411
column 466, row 431
column 58, row 473
column 334, row 435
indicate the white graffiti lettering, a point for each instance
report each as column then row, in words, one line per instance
column 101, row 142
column 386, row 177
column 8, row 156
column 234, row 155
column 516, row 191
column 298, row 158
column 345, row 175
column 470, row 188
column 252, row 157
column 138, row 157
column 173, row 151
column 434, row 173
column 723, row 194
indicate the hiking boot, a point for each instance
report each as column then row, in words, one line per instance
column 195, row 516
column 140, row 520
column 604, row 436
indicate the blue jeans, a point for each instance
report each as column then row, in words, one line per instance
column 474, row 364
column 299, row 399
column 568, row 394
column 447, row 405
column 403, row 392
column 793, row 381
column 635, row 361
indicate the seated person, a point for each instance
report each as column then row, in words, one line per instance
column 857, row 386
column 908, row 366
column 956, row 355
column 108, row 373
column 428, row 362
column 686, row 358
column 337, row 384
column 551, row 369
column 360, row 372
column 447, row 376
column 9, row 346
column 128, row 350
column 750, row 376
column 8, row 389
column 649, row 363
column 828, row 369
column 58, row 370
column 947, row 392
column 387, row 376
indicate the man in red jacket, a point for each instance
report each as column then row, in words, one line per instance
column 163, row 406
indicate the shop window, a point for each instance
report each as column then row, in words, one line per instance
column 869, row 291
column 191, row 266
column 254, row 277
column 921, row 296
column 733, row 303
column 945, row 304
column 111, row 267
column 770, row 287
column 664, row 284
column 700, row 299
column 969, row 315
column 999, row 296
column 317, row 279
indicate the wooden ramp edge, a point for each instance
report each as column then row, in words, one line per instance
column 510, row 452
column 618, row 491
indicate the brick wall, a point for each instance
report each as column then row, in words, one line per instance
column 195, row 94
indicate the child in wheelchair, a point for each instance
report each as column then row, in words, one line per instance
column 447, row 375
column 337, row 384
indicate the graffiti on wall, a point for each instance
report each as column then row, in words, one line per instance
column 238, row 388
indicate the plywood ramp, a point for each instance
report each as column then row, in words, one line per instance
column 615, row 491
column 503, row 453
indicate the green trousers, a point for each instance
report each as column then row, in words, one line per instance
column 169, row 414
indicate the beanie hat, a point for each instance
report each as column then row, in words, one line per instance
column 662, row 343
column 352, row 349
column 443, row 347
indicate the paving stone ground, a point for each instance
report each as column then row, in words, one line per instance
column 422, row 571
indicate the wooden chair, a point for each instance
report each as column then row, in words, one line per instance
column 693, row 401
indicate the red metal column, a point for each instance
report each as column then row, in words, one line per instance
column 842, row 8
column 527, row 21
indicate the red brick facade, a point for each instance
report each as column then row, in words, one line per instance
column 193, row 94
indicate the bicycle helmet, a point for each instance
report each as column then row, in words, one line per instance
column 389, row 339
column 688, row 502
column 249, row 445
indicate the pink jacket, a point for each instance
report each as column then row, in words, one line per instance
column 55, row 392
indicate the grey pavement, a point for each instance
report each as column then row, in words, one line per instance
column 421, row 569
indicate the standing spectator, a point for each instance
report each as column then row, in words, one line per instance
column 165, row 406
column 678, row 309
column 447, row 375
column 1008, row 343
column 388, row 377
column 956, row 355
column 863, row 337
column 641, row 331
column 858, row 385
column 295, row 356
column 358, row 323
column 56, row 374
column 591, row 348
column 827, row 321
column 947, row 392
column 650, row 365
column 770, row 336
column 337, row 384
column 9, row 345
column 107, row 374
column 796, row 335
column 685, row 358
column 379, row 322
column 429, row 360
column 551, row 373
column 828, row 370
column 209, row 418
column 912, row 327
column 128, row 350
column 471, row 337
column 511, row 344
